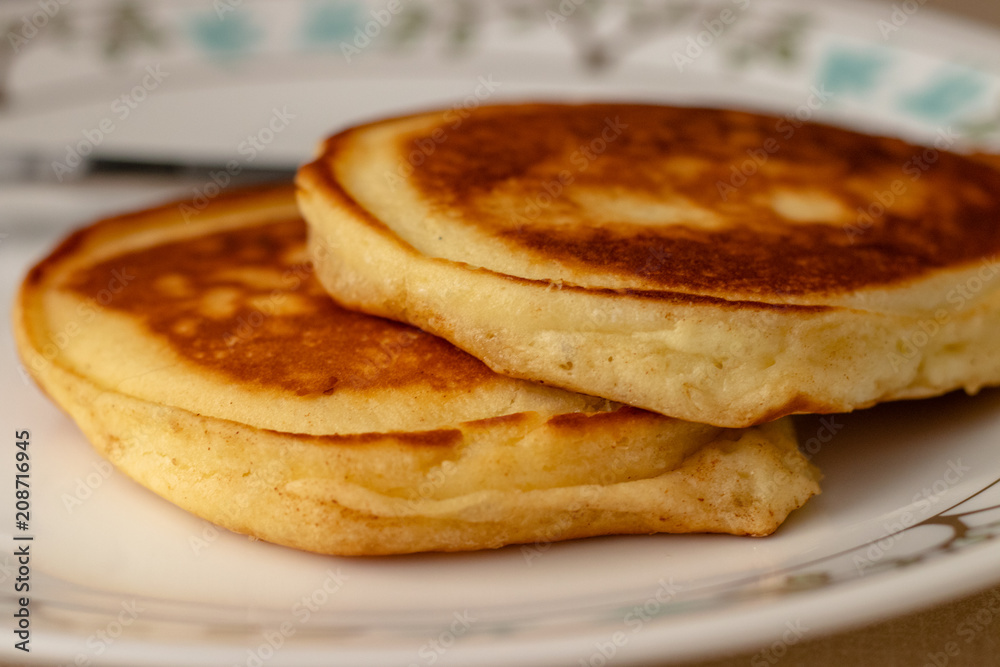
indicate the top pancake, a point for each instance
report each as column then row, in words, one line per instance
column 638, row 252
column 726, row 204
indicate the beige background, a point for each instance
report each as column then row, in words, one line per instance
column 922, row 639
column 986, row 10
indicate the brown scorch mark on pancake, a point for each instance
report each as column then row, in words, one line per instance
column 516, row 173
column 245, row 304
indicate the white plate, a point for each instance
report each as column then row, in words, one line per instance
column 911, row 506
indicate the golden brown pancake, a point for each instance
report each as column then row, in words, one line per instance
column 205, row 361
column 717, row 266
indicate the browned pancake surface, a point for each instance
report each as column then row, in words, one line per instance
column 500, row 167
column 245, row 303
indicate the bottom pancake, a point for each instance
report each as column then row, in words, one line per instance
column 481, row 485
column 243, row 434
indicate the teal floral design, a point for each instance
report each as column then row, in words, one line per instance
column 329, row 23
column 946, row 93
column 853, row 72
column 226, row 34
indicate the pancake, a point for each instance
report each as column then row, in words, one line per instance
column 205, row 361
column 716, row 266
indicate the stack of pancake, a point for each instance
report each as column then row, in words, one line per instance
column 533, row 323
